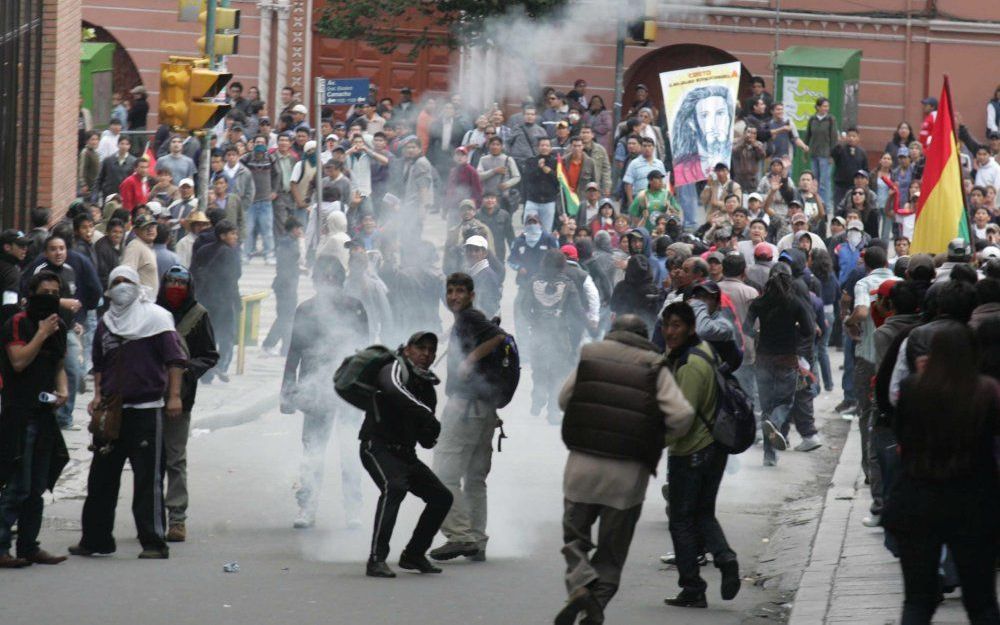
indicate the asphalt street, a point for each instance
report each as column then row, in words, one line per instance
column 242, row 481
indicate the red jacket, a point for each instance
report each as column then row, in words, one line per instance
column 133, row 192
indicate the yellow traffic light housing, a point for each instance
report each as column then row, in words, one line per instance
column 225, row 43
column 205, row 85
column 642, row 32
column 187, row 87
column 174, row 80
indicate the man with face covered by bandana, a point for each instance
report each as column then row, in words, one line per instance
column 198, row 338
column 525, row 258
column 32, row 451
column 138, row 356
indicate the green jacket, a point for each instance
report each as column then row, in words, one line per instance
column 696, row 378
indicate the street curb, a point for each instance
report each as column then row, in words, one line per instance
column 812, row 599
column 253, row 406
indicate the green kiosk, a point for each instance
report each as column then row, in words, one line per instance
column 803, row 74
column 96, row 66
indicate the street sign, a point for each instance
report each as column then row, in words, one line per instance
column 344, row 90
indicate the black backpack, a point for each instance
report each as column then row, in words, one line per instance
column 501, row 371
column 735, row 427
column 356, row 380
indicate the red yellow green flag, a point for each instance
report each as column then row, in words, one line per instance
column 941, row 213
column 570, row 199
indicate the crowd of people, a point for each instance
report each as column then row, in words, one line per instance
column 628, row 308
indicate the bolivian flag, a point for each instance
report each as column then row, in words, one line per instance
column 941, row 214
column 570, row 200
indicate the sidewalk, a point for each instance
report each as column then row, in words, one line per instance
column 850, row 576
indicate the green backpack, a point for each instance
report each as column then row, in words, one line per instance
column 356, row 379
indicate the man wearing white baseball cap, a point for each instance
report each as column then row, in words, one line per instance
column 488, row 285
column 299, row 114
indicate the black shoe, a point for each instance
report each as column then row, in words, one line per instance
column 582, row 600
column 417, row 563
column 845, row 406
column 379, row 569
column 450, row 551
column 155, row 554
column 685, row 600
column 80, row 550
column 730, row 578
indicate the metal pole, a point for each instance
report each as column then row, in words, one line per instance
column 619, row 85
column 210, row 32
column 320, row 89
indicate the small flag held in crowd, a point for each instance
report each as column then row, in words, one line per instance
column 149, row 156
column 570, row 199
column 941, row 213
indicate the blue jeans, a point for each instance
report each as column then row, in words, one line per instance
column 21, row 501
column 688, row 198
column 260, row 222
column 89, row 327
column 776, row 385
column 823, row 172
column 74, row 371
column 822, row 361
column 546, row 213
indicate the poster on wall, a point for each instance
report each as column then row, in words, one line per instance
column 799, row 94
column 700, row 105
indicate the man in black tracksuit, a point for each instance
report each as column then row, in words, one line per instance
column 404, row 416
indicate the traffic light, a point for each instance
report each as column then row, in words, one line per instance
column 205, row 85
column 642, row 32
column 174, row 80
column 187, row 87
column 226, row 19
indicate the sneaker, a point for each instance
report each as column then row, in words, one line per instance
column 773, row 435
column 450, row 551
column 872, row 520
column 671, row 558
column 479, row 556
column 378, row 568
column 304, row 520
column 809, row 443
column 222, row 376
column 72, row 427
column 419, row 563
column 730, row 579
column 80, row 550
column 177, row 533
column 270, row 352
column 155, row 554
column 685, row 600
column 845, row 406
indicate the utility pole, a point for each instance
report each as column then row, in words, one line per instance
column 206, row 139
column 619, row 84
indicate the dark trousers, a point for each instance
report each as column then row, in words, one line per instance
column 21, row 501
column 397, row 472
column 602, row 571
column 281, row 330
column 864, row 371
column 141, row 443
column 694, row 485
column 961, row 518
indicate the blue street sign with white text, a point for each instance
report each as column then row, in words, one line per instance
column 345, row 90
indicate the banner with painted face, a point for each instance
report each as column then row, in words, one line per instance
column 700, row 106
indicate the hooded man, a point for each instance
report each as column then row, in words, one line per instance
column 327, row 328
column 195, row 331
column 336, row 238
column 216, row 270
column 525, row 258
column 139, row 359
column 364, row 284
